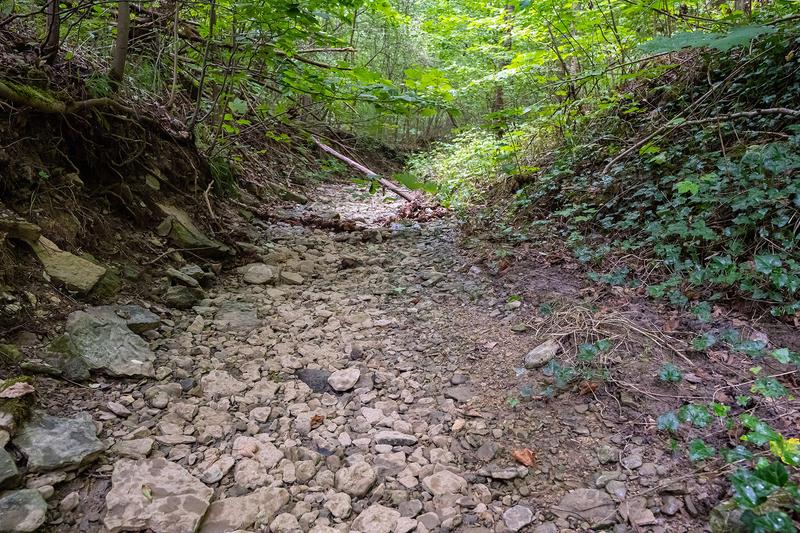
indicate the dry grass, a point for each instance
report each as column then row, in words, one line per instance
column 572, row 324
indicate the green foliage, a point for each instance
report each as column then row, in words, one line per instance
column 737, row 36
column 670, row 373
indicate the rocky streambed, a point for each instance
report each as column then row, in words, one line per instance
column 343, row 382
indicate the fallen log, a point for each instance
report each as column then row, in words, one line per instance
column 384, row 182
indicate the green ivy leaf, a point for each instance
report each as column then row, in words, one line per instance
column 687, row 186
column 760, row 432
column 766, row 263
column 695, row 414
column 668, row 421
column 699, row 450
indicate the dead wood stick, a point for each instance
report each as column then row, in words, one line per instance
column 386, row 183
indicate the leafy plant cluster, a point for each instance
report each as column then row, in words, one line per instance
column 763, row 495
column 716, row 205
column 762, row 492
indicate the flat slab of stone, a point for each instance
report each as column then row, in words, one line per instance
column 237, row 316
column 104, row 341
column 51, row 442
column 75, row 273
column 461, row 393
column 517, row 517
column 134, row 448
column 592, row 505
column 231, row 514
column 22, row 510
column 155, row 494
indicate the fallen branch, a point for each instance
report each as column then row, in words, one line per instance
column 719, row 118
column 384, row 182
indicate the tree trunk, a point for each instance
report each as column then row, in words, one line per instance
column 120, row 54
column 53, row 38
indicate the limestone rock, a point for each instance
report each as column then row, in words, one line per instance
column 517, row 517
column 315, row 378
column 542, row 354
column 376, row 519
column 105, row 343
column 291, row 278
column 237, row 316
column 17, row 228
column 179, row 228
column 22, row 510
column 592, row 505
column 244, row 512
column 51, row 442
column 134, row 448
column 344, row 380
column 444, row 482
column 339, row 505
column 155, row 494
column 355, row 480
column 219, row 383
column 181, row 277
column 285, row 523
column 395, row 438
column 258, row 274
column 137, row 318
column 461, row 393
column 75, row 273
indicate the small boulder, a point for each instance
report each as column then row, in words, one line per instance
column 16, row 228
column 179, row 228
column 291, row 278
column 104, row 342
column 237, row 316
column 8, row 469
column 241, row 513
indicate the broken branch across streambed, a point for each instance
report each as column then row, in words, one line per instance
column 372, row 175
